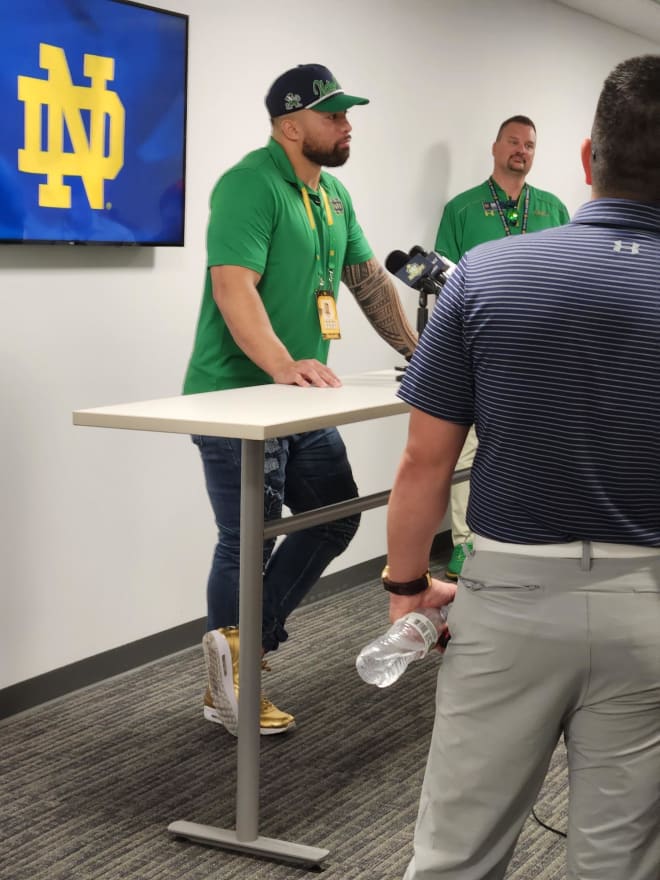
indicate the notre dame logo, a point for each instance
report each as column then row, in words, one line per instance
column 65, row 104
column 413, row 271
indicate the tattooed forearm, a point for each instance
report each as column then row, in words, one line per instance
column 377, row 296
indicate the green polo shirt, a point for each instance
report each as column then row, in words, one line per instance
column 259, row 220
column 469, row 218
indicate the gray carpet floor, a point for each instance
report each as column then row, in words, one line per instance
column 89, row 782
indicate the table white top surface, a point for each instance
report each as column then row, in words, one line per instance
column 259, row 412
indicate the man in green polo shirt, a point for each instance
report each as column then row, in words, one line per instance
column 282, row 234
column 503, row 205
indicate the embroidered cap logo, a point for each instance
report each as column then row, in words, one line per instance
column 292, row 102
column 325, row 87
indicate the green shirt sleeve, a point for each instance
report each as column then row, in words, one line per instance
column 446, row 240
column 241, row 221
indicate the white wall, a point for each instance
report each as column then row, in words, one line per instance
column 106, row 536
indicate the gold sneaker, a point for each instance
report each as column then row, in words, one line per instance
column 221, row 697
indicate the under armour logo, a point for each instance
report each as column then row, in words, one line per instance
column 631, row 247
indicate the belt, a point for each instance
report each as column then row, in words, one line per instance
column 570, row 550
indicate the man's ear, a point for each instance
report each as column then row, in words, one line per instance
column 290, row 128
column 585, row 152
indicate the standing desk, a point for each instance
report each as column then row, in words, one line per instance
column 255, row 415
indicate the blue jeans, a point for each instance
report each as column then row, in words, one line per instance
column 303, row 471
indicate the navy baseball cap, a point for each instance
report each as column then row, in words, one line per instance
column 308, row 87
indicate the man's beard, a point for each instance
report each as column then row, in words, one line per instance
column 330, row 158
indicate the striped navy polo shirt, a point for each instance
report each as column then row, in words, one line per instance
column 550, row 344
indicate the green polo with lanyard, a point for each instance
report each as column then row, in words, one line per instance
column 264, row 218
column 486, row 212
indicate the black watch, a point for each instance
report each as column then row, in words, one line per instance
column 406, row 588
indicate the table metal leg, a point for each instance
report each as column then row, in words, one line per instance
column 246, row 838
column 251, row 593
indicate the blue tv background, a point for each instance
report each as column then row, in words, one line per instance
column 146, row 201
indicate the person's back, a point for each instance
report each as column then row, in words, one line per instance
column 563, row 330
column 550, row 344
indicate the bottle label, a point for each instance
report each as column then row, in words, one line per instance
column 426, row 628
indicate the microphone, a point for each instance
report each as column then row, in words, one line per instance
column 395, row 261
column 419, row 269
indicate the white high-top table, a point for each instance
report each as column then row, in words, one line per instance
column 255, row 415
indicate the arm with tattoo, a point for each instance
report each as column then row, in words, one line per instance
column 377, row 296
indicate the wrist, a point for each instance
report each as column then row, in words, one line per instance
column 281, row 368
column 406, row 588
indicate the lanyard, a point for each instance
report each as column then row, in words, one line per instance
column 505, row 222
column 327, row 270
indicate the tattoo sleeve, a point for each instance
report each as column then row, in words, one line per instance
column 377, row 296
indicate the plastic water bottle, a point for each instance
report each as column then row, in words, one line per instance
column 384, row 660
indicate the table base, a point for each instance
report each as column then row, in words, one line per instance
column 280, row 850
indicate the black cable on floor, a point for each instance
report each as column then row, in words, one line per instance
column 548, row 827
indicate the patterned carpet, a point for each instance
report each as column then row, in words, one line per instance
column 91, row 781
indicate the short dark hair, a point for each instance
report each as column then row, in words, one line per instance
column 522, row 120
column 625, row 137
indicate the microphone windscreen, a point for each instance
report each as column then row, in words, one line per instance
column 395, row 261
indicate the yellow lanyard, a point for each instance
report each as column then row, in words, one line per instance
column 308, row 207
column 312, row 224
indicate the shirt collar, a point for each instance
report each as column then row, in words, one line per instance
column 619, row 212
column 281, row 161
column 501, row 194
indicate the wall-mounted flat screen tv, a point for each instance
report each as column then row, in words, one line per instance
column 93, row 134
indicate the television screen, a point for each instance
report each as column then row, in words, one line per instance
column 92, row 142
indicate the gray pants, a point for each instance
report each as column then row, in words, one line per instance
column 541, row 647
